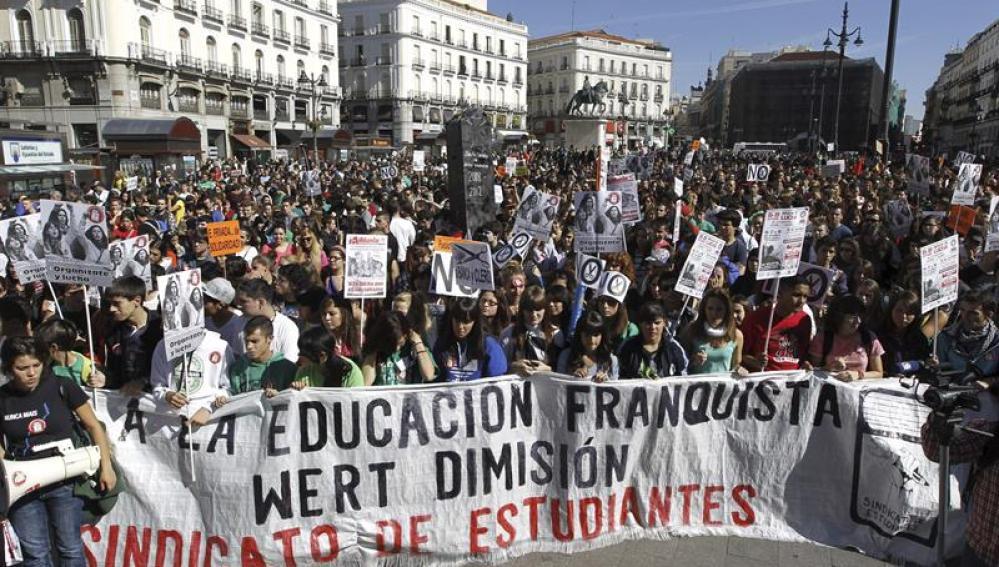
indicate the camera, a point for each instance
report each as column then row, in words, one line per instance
column 947, row 391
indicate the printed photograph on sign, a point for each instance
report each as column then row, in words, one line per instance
column 182, row 309
column 536, row 213
column 130, row 257
column 599, row 223
column 899, row 217
column 75, row 240
column 366, row 273
column 966, row 185
column 992, row 226
column 782, row 242
column 699, row 265
column 20, row 240
column 917, row 169
column 631, row 209
column 939, row 265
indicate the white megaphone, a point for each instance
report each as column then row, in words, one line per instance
column 20, row 478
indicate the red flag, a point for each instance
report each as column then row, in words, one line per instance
column 858, row 166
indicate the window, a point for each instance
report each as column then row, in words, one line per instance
column 475, row 41
column 416, row 24
column 25, row 30
column 145, row 33
column 659, row 72
column 326, row 75
column 613, row 66
column 489, row 44
column 416, row 54
column 185, row 43
column 516, row 50
column 281, row 70
column 258, row 59
column 237, row 58
column 300, row 28
column 645, row 70
column 433, row 30
column 447, row 34
column 502, row 97
column 434, row 56
column 235, row 6
column 301, row 69
column 258, row 14
column 279, row 21
column 359, row 25
column 436, row 86
column 212, row 50
column 489, row 69
column 565, row 62
column 502, row 72
column 502, row 49
column 77, row 33
column 586, row 62
column 383, row 23
column 601, row 64
column 324, row 35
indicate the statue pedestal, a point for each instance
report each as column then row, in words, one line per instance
column 584, row 133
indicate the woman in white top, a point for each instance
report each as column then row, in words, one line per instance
column 249, row 251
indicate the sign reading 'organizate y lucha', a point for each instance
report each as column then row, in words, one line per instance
column 223, row 238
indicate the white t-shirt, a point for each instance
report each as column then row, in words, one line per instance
column 207, row 372
column 285, row 337
column 231, row 332
column 404, row 232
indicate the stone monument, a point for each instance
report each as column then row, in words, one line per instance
column 470, row 170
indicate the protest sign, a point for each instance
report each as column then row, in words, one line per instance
column 899, row 217
column 678, row 187
column 443, row 279
column 419, row 160
column 839, row 165
column 599, row 222
column 601, row 167
column 963, row 158
column 966, row 185
column 617, row 166
column 939, row 265
column 182, row 306
column 511, row 166
column 473, row 265
column 132, row 183
column 498, row 194
column 22, row 245
column 819, row 281
column 758, row 173
column 613, row 284
column 389, row 172
column 699, row 265
column 223, row 238
column 677, row 220
column 992, row 227
column 918, row 169
column 431, row 475
column 641, row 165
column 130, row 257
column 536, row 213
column 631, row 209
column 75, row 240
column 688, row 160
column 781, row 243
column 312, row 185
column 960, row 219
column 366, row 273
column 589, row 269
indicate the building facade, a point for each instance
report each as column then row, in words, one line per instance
column 408, row 65
column 231, row 66
column 636, row 73
column 962, row 105
column 793, row 98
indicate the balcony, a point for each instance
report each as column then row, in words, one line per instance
column 302, row 42
column 358, row 31
column 518, row 57
column 20, row 49
column 215, row 69
column 435, row 67
column 150, row 54
column 151, row 101
column 489, row 78
column 188, row 105
column 658, row 98
column 325, row 7
column 242, row 74
column 416, row 32
column 69, row 47
column 261, row 114
column 462, row 72
column 476, row 76
column 383, row 29
column 434, row 36
column 237, row 22
column 358, row 61
column 189, row 7
column 550, row 91
column 518, row 82
column 189, row 64
column 211, row 14
column 462, row 44
column 644, row 96
column 282, row 115
column 239, row 112
column 260, row 29
column 214, row 108
column 476, row 47
column 285, row 82
column 449, row 69
column 302, row 3
column 327, row 49
column 281, row 36
column 418, row 64
column 264, row 78
column 563, row 89
column 501, row 80
column 565, row 67
column 448, row 41
column 383, row 60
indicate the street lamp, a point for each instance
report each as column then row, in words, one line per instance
column 843, row 37
column 312, row 82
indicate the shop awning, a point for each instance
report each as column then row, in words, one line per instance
column 10, row 170
column 429, row 136
column 511, row 136
column 252, row 142
column 151, row 129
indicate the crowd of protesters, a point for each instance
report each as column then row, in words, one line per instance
column 276, row 312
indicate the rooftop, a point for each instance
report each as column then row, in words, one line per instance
column 595, row 34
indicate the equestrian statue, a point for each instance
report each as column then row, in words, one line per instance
column 592, row 96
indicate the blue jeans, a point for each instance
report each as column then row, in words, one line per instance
column 54, row 507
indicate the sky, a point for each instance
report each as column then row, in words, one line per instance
column 699, row 32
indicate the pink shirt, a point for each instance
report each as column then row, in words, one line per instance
column 850, row 349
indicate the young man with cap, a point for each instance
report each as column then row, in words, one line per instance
column 219, row 314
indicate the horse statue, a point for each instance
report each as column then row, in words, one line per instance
column 588, row 96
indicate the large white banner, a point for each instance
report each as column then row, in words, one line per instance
column 699, row 265
column 940, row 264
column 487, row 471
column 781, row 243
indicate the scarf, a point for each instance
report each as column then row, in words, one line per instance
column 969, row 344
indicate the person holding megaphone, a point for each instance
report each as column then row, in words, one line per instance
column 37, row 413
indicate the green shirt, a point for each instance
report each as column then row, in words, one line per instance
column 248, row 376
column 79, row 371
column 315, row 375
column 401, row 367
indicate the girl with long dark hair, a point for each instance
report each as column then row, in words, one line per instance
column 589, row 356
column 398, row 355
column 464, row 351
column 524, row 341
column 713, row 341
column 338, row 319
column 846, row 347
